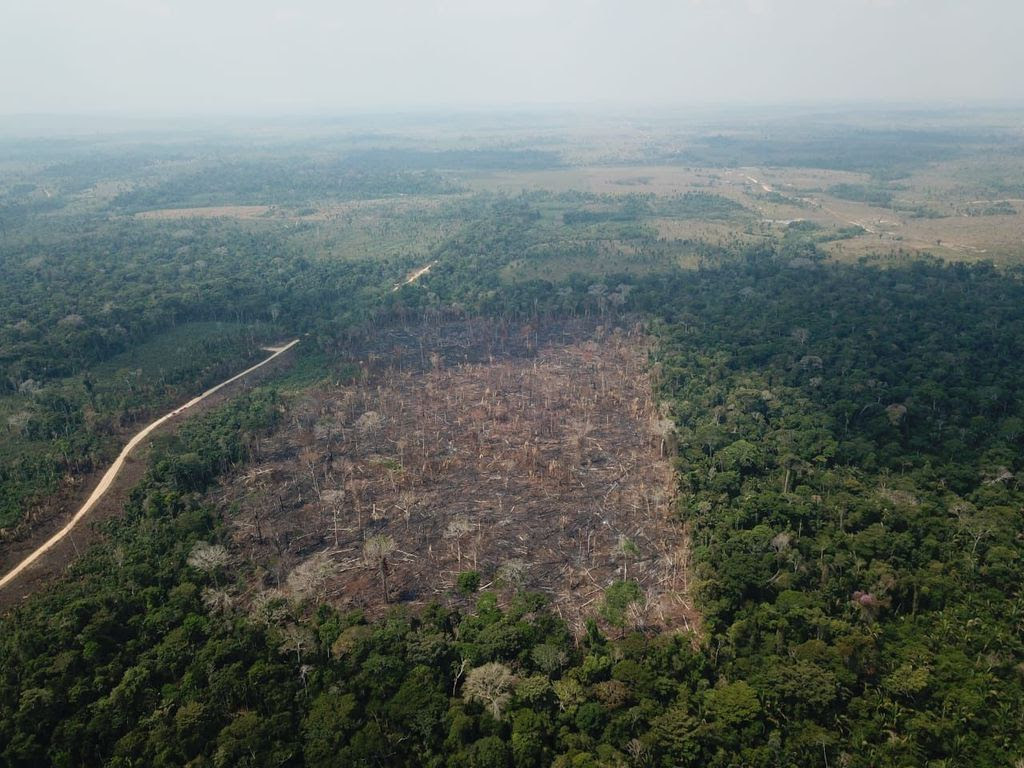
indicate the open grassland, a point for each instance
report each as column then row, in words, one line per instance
column 379, row 228
column 954, row 210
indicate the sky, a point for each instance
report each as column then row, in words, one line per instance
column 323, row 56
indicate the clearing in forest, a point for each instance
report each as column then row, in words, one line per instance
column 531, row 455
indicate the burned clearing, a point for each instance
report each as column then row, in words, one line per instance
column 534, row 456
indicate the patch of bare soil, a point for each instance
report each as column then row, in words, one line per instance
column 532, row 455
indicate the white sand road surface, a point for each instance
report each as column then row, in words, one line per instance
column 111, row 473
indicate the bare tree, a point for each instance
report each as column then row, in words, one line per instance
column 512, row 574
column 627, row 548
column 208, row 558
column 491, row 685
column 406, row 501
column 376, row 550
column 334, row 499
column 639, row 754
column 217, row 601
column 297, row 638
column 357, row 486
column 310, row 459
column 456, row 529
column 309, row 578
column 269, row 608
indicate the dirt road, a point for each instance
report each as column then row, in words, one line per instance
column 111, row 473
column 415, row 276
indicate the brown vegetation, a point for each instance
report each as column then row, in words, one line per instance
column 532, row 455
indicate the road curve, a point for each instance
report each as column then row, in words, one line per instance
column 111, row 473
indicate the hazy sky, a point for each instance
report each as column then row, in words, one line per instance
column 222, row 56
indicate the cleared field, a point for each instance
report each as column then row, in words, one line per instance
column 935, row 210
column 534, row 456
column 392, row 227
column 929, row 212
column 386, row 227
column 604, row 180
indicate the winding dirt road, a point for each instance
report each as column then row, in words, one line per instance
column 111, row 473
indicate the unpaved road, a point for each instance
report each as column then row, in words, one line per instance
column 111, row 473
column 870, row 230
column 415, row 276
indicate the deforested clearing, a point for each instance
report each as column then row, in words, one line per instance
column 531, row 455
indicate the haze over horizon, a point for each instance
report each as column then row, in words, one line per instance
column 187, row 57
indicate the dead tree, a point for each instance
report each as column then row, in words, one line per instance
column 376, row 550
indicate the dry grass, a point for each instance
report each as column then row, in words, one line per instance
column 945, row 188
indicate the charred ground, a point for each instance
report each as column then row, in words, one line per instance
column 530, row 454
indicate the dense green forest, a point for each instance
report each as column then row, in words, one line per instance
column 846, row 440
